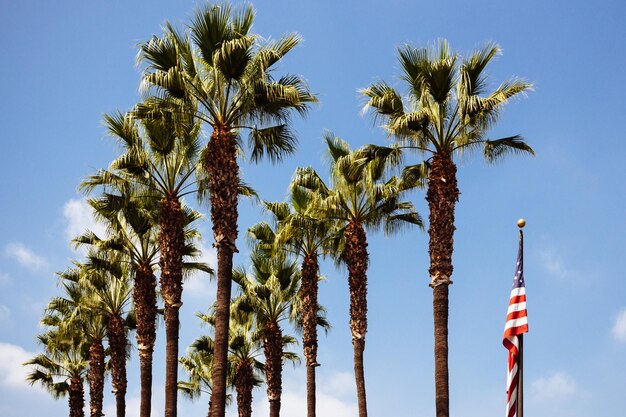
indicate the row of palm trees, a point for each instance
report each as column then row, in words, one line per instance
column 219, row 75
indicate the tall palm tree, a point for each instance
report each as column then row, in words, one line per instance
column 301, row 232
column 162, row 160
column 74, row 312
column 221, row 73
column 358, row 199
column 267, row 296
column 449, row 112
column 62, row 368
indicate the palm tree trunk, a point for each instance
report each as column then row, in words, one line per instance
column 356, row 258
column 221, row 163
column 144, row 295
column 76, row 397
column 171, row 361
column 96, row 378
column 171, row 243
column 273, row 349
column 442, row 196
column 308, row 298
column 117, row 344
column 311, row 400
column 244, row 383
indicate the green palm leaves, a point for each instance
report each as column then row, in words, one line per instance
column 448, row 107
column 220, row 73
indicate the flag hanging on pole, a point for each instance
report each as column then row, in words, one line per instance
column 516, row 325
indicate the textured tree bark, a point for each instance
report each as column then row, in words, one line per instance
column 96, row 378
column 144, row 295
column 442, row 196
column 311, row 400
column 308, row 298
column 356, row 258
column 76, row 397
column 273, row 349
column 171, row 243
column 244, row 383
column 171, row 361
column 117, row 344
column 221, row 164
column 359, row 375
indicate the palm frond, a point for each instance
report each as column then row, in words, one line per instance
column 497, row 149
column 275, row 142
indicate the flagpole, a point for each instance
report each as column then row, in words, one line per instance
column 520, row 369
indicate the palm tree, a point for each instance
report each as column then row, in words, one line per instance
column 113, row 298
column 62, row 368
column 73, row 313
column 267, row 296
column 448, row 113
column 358, row 200
column 221, row 74
column 302, row 233
column 163, row 161
column 131, row 224
column 245, row 370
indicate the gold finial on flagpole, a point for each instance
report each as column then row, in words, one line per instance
column 521, row 223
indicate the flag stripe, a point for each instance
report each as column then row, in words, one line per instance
column 517, row 307
column 516, row 314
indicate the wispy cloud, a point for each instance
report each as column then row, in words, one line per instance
column 24, row 256
column 79, row 218
column 619, row 327
column 554, row 264
column 554, row 387
column 5, row 313
column 12, row 373
column 4, row 278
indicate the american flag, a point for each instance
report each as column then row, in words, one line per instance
column 516, row 325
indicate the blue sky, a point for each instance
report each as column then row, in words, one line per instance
column 65, row 64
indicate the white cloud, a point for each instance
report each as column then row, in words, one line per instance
column 329, row 402
column 79, row 217
column 619, row 327
column 293, row 405
column 554, row 387
column 24, row 256
column 340, row 384
column 208, row 255
column 5, row 313
column 554, row 264
column 12, row 373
